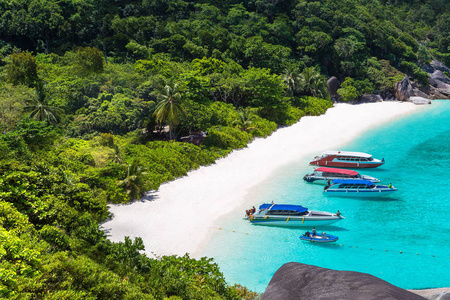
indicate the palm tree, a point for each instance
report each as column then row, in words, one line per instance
column 169, row 109
column 313, row 83
column 245, row 120
column 39, row 107
column 134, row 181
column 116, row 157
column 290, row 79
column 320, row 89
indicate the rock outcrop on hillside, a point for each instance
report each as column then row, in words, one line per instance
column 300, row 281
column 439, row 81
column 407, row 90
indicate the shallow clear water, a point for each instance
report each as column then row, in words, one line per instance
column 403, row 238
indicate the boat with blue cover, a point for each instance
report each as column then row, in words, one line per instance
column 291, row 215
column 357, row 188
column 319, row 238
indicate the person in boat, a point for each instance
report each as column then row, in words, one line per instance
column 308, row 234
column 338, row 213
column 390, row 185
column 253, row 210
column 328, row 185
column 314, row 231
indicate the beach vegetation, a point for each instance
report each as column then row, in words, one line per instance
column 95, row 97
column 351, row 89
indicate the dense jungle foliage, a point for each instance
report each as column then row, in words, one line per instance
column 95, row 97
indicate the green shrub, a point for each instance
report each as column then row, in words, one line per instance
column 261, row 127
column 226, row 138
column 55, row 236
column 22, row 69
column 313, row 106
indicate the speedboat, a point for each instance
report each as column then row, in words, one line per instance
column 357, row 188
column 322, row 238
column 346, row 159
column 323, row 174
column 291, row 215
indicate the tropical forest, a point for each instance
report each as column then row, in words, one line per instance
column 101, row 101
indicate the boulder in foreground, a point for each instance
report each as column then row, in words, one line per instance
column 300, row 281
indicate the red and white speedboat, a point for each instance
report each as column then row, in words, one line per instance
column 346, row 159
column 322, row 175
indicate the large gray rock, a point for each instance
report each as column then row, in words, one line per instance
column 439, row 85
column 439, row 82
column 419, row 93
column 333, row 86
column 436, row 93
column 437, row 65
column 440, row 76
column 403, row 89
column 370, row 98
column 420, row 100
column 300, row 281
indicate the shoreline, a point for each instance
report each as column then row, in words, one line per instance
column 178, row 218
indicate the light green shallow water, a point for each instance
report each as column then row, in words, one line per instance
column 403, row 238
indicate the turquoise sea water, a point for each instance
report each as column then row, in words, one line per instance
column 403, row 238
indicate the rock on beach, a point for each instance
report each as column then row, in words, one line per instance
column 301, row 281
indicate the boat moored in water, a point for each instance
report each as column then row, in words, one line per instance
column 357, row 188
column 319, row 238
column 291, row 215
column 323, row 174
column 346, row 159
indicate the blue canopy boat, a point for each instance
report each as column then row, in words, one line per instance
column 357, row 188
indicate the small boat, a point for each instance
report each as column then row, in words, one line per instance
column 323, row 174
column 357, row 188
column 346, row 159
column 322, row 238
column 291, row 216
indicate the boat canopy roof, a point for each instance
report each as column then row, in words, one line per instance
column 347, row 153
column 298, row 208
column 340, row 171
column 353, row 181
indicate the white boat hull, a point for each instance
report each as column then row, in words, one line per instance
column 323, row 180
column 363, row 193
column 294, row 221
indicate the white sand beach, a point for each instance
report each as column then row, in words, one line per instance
column 179, row 217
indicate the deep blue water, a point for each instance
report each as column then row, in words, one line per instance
column 403, row 238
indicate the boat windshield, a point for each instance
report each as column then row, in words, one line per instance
column 286, row 213
column 354, row 186
column 353, row 158
column 338, row 175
